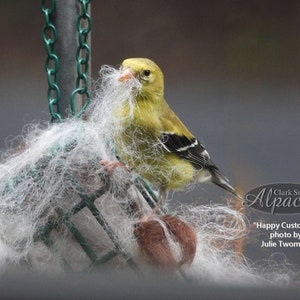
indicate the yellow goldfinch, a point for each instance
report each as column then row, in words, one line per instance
column 154, row 142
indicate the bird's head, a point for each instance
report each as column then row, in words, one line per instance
column 147, row 72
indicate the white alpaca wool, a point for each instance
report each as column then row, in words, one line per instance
column 59, row 165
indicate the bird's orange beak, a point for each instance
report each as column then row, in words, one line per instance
column 125, row 75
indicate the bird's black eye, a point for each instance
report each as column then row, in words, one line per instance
column 146, row 73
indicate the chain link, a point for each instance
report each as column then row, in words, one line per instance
column 84, row 26
column 49, row 35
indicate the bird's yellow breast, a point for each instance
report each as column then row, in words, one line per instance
column 138, row 145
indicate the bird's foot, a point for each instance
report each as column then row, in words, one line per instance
column 155, row 210
column 157, row 207
column 151, row 215
column 109, row 166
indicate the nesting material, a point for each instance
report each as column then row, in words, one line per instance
column 53, row 218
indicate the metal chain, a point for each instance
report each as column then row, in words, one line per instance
column 49, row 34
column 84, row 26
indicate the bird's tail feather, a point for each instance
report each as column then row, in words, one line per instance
column 219, row 179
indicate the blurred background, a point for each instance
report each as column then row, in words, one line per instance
column 232, row 71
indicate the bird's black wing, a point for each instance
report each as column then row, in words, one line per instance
column 189, row 149
column 194, row 152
